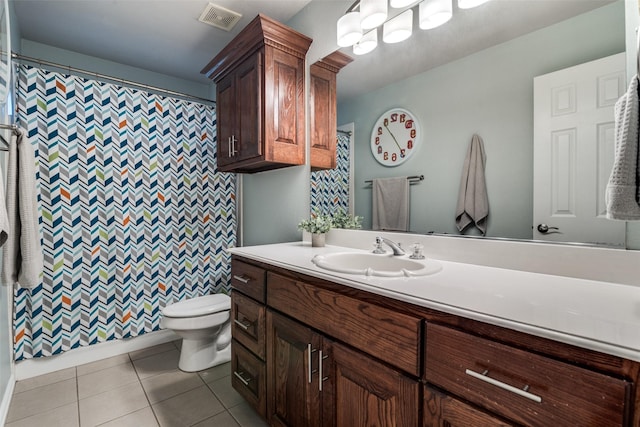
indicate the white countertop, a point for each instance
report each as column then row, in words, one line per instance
column 596, row 315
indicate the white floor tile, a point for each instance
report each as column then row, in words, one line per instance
column 42, row 399
column 112, row 404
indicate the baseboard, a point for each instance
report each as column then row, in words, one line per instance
column 6, row 400
column 43, row 365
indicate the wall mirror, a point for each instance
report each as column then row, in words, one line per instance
column 5, row 53
column 487, row 90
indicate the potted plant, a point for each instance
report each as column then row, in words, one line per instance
column 317, row 225
column 342, row 219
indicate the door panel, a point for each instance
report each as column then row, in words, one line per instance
column 249, row 108
column 226, row 122
column 293, row 399
column 367, row 393
column 573, row 152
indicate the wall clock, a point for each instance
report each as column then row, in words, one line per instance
column 395, row 137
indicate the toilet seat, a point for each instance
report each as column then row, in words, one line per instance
column 199, row 306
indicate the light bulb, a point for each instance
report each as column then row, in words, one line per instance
column 468, row 4
column 399, row 28
column 349, row 31
column 399, row 4
column 367, row 43
column 434, row 13
column 372, row 13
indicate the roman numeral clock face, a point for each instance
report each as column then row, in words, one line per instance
column 395, row 137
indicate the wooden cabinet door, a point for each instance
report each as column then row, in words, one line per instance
column 225, row 118
column 441, row 410
column 292, row 387
column 323, row 118
column 367, row 393
column 248, row 142
column 285, row 127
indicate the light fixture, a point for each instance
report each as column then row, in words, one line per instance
column 372, row 13
column 468, row 4
column 349, row 30
column 399, row 4
column 399, row 28
column 434, row 13
column 367, row 43
column 368, row 15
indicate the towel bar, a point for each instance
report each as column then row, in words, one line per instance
column 414, row 179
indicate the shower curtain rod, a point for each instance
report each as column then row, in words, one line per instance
column 23, row 58
column 344, row 132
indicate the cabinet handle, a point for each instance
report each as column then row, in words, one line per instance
column 321, row 379
column 521, row 392
column 242, row 279
column 310, row 351
column 233, row 145
column 241, row 378
column 229, row 152
column 243, row 325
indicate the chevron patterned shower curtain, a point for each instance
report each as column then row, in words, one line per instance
column 330, row 188
column 133, row 212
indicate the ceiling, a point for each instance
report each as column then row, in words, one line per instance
column 165, row 36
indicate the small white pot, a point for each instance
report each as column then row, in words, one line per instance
column 317, row 240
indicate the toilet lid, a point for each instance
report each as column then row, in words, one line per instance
column 198, row 306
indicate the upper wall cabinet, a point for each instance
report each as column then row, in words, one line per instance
column 259, row 79
column 323, row 109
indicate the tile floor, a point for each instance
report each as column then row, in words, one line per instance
column 138, row 389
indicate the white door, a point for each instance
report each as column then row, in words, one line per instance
column 573, row 149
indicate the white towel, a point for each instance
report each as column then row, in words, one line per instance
column 623, row 189
column 22, row 255
column 390, row 207
column 473, row 203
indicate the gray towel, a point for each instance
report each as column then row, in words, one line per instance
column 623, row 189
column 473, row 203
column 4, row 218
column 390, row 208
column 22, row 255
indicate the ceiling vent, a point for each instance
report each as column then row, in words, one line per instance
column 219, row 17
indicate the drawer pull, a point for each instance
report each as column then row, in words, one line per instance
column 484, row 377
column 321, row 378
column 310, row 372
column 243, row 380
column 242, row 279
column 243, row 325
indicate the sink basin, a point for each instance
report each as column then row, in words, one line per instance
column 369, row 264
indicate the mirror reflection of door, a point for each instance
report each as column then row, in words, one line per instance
column 574, row 151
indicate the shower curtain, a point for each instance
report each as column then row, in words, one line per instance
column 330, row 188
column 133, row 212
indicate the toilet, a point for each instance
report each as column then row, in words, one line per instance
column 205, row 327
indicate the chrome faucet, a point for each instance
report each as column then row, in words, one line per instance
column 397, row 250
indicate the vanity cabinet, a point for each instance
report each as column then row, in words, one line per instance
column 248, row 345
column 520, row 385
column 442, row 410
column 339, row 356
column 313, row 380
column 323, row 113
column 260, row 104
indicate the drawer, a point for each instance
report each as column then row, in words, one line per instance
column 247, row 323
column 443, row 410
column 248, row 279
column 248, row 377
column 522, row 386
column 383, row 333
